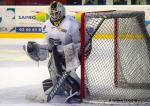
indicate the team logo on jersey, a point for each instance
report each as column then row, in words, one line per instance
column 61, row 30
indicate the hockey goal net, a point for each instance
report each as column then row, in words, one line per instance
column 115, row 60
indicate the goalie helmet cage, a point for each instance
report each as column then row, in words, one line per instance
column 116, row 65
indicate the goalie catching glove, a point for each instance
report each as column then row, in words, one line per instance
column 35, row 51
column 32, row 50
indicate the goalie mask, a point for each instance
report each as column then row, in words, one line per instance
column 57, row 13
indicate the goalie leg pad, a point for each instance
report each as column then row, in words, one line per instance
column 47, row 84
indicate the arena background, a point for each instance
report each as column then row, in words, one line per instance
column 26, row 21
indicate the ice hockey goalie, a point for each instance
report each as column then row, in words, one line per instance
column 62, row 41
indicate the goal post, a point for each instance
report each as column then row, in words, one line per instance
column 115, row 56
column 82, row 34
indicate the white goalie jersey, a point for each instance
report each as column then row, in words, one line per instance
column 67, row 32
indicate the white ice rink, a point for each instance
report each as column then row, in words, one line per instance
column 20, row 76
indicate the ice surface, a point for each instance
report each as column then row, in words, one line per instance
column 20, row 76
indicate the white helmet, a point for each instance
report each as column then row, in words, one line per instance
column 56, row 11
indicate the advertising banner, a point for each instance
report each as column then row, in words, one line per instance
column 30, row 19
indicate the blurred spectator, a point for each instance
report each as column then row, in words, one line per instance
column 102, row 2
column 148, row 1
column 74, row 2
column 138, row 2
column 88, row 2
column 120, row 2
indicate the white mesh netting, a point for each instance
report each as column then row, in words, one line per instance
column 118, row 67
